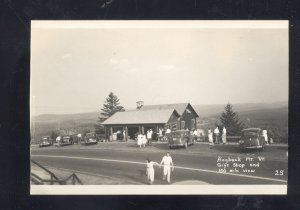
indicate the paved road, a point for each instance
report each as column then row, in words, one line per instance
column 129, row 165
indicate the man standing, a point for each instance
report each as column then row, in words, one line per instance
column 195, row 133
column 149, row 137
column 167, row 162
column 160, row 134
column 216, row 133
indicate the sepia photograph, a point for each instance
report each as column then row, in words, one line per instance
column 159, row 107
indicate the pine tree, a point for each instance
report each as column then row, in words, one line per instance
column 231, row 121
column 111, row 106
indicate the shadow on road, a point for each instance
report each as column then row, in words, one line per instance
column 226, row 148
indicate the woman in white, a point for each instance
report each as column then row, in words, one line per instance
column 265, row 135
column 210, row 137
column 150, row 170
column 224, row 135
column 140, row 140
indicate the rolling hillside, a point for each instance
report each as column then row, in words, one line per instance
column 271, row 116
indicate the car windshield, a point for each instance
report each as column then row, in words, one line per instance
column 250, row 134
column 178, row 134
column 90, row 135
column 66, row 137
column 45, row 138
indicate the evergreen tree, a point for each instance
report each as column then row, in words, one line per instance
column 111, row 106
column 231, row 121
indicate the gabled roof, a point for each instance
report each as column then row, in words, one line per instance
column 180, row 107
column 141, row 117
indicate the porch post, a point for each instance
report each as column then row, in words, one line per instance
column 105, row 132
column 124, row 136
column 143, row 130
column 126, row 133
column 111, row 132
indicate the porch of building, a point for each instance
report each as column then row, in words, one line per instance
column 129, row 132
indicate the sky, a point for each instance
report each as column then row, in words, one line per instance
column 75, row 65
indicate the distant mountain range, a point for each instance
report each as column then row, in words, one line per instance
column 273, row 116
column 243, row 108
column 204, row 110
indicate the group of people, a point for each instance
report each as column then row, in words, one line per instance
column 214, row 137
column 167, row 164
column 142, row 140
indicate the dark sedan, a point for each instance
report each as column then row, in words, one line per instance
column 252, row 138
column 89, row 138
column 46, row 141
column 180, row 138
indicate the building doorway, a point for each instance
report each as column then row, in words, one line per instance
column 132, row 132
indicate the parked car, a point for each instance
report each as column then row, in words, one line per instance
column 89, row 138
column 252, row 138
column 180, row 138
column 46, row 141
column 100, row 137
column 66, row 140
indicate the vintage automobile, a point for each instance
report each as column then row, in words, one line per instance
column 46, row 141
column 66, row 140
column 180, row 138
column 252, row 138
column 89, row 138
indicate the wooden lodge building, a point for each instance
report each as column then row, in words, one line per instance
column 173, row 116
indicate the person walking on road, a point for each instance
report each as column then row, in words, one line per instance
column 210, row 137
column 167, row 162
column 150, row 170
column 217, row 133
column 224, row 135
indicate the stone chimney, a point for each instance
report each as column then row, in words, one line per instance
column 139, row 104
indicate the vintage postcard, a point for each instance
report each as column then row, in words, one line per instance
column 159, row 107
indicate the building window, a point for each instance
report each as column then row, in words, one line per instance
column 174, row 126
column 192, row 124
column 182, row 125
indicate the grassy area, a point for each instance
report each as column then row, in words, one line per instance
column 85, row 177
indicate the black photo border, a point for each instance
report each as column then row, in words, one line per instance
column 15, row 17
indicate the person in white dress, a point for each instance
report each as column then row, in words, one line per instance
column 144, row 140
column 210, row 137
column 150, row 170
column 140, row 140
column 224, row 135
column 265, row 135
column 167, row 163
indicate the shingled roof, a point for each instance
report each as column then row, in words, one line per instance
column 141, row 117
column 178, row 107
